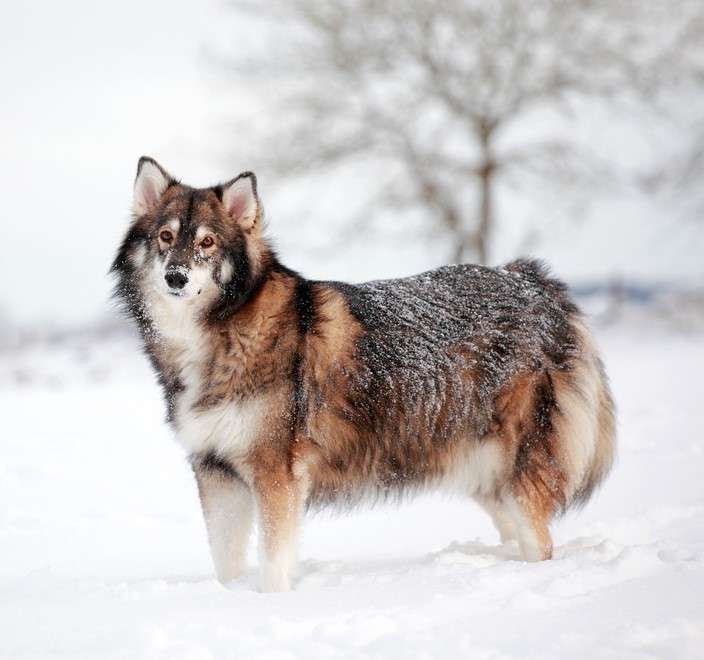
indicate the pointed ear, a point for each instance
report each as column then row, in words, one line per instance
column 239, row 197
column 151, row 182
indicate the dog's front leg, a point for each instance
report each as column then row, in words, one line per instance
column 279, row 504
column 228, row 506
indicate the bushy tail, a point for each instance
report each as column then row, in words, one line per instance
column 587, row 422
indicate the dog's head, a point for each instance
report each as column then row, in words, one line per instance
column 202, row 247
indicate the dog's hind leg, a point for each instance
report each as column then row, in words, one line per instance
column 532, row 528
column 228, row 507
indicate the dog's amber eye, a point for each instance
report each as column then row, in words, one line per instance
column 207, row 242
column 166, row 236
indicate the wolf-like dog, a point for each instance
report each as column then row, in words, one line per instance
column 289, row 393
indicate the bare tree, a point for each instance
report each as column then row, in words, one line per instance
column 430, row 91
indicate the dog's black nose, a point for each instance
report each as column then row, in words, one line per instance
column 175, row 279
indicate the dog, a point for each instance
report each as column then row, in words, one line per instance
column 289, row 393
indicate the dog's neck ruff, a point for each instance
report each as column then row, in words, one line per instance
column 226, row 427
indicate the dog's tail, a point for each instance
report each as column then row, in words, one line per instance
column 582, row 418
column 585, row 421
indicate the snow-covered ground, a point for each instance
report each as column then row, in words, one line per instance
column 104, row 553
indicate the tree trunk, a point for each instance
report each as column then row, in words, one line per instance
column 475, row 244
column 460, row 249
column 486, row 218
column 471, row 243
column 461, row 241
column 486, row 172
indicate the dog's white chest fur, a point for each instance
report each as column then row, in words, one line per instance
column 230, row 426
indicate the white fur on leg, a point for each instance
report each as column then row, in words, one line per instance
column 227, row 508
column 277, row 564
column 529, row 541
column 275, row 573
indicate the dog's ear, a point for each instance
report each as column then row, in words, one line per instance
column 241, row 202
column 151, row 182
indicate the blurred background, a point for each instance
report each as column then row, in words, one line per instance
column 388, row 138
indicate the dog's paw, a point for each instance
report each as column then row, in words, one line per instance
column 271, row 581
column 229, row 574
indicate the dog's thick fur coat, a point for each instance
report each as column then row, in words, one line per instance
column 289, row 393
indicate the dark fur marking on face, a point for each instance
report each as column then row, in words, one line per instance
column 189, row 211
column 134, row 236
column 242, row 285
column 218, row 190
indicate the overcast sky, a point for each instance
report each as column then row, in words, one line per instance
column 88, row 87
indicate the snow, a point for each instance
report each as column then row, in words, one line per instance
column 105, row 555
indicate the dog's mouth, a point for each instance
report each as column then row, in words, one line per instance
column 176, row 293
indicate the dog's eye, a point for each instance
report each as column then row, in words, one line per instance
column 207, row 242
column 166, row 236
